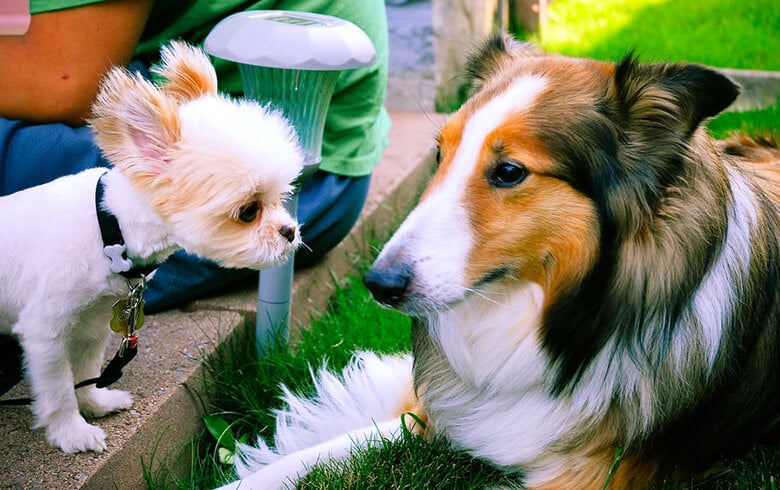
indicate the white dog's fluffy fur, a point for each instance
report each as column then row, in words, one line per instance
column 192, row 170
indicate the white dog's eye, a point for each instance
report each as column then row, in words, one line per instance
column 248, row 212
column 507, row 173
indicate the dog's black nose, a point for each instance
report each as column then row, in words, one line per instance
column 288, row 232
column 389, row 286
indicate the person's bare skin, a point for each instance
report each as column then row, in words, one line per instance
column 52, row 73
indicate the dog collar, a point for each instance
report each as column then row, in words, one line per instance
column 114, row 246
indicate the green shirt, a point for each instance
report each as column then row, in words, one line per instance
column 357, row 124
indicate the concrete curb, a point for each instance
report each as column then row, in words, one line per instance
column 760, row 89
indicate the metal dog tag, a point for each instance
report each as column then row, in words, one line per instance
column 128, row 313
column 121, row 315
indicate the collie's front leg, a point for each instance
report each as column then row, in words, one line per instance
column 285, row 471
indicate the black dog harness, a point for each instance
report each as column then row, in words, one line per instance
column 114, row 243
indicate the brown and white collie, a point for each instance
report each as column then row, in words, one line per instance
column 588, row 271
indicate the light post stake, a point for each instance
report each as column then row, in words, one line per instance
column 291, row 61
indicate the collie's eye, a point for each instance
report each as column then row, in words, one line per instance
column 248, row 212
column 438, row 154
column 507, row 174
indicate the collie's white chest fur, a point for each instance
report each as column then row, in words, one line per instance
column 491, row 392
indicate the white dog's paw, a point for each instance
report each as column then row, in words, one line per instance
column 76, row 435
column 98, row 402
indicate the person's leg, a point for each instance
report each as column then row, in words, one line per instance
column 33, row 154
column 327, row 209
column 328, row 206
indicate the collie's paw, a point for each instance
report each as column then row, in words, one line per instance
column 76, row 436
column 98, row 402
column 283, row 474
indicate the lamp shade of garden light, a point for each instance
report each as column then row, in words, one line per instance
column 290, row 61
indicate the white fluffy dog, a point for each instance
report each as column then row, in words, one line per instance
column 192, row 170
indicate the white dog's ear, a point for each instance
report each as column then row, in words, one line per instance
column 135, row 125
column 187, row 71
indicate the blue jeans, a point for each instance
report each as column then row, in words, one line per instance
column 32, row 154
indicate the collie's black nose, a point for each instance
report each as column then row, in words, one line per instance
column 389, row 285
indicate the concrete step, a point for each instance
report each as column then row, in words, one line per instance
column 760, row 89
column 164, row 378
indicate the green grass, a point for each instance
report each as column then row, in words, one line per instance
column 741, row 34
column 755, row 121
column 411, row 463
column 244, row 388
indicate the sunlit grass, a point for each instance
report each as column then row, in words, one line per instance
column 724, row 33
column 755, row 121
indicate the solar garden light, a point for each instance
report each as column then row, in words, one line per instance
column 290, row 60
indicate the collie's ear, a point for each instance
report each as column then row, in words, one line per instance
column 135, row 124
column 493, row 54
column 673, row 96
column 655, row 109
column 187, row 71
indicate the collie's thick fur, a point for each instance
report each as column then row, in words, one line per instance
column 588, row 271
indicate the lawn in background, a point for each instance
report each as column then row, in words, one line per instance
column 742, row 34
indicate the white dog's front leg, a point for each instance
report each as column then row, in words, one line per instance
column 285, row 472
column 86, row 357
column 54, row 400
